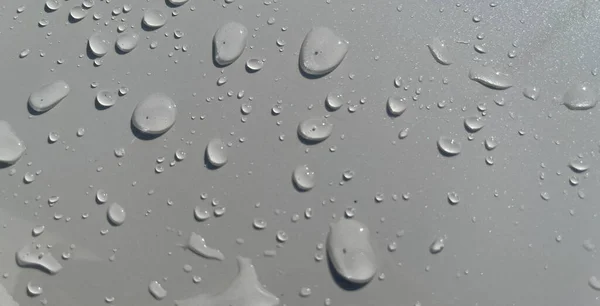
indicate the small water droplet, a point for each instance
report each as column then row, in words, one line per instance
column 53, row 5
column 254, row 64
column 437, row 246
column 77, row 13
column 334, row 100
column 440, row 52
column 315, row 129
column 216, row 154
column 594, row 283
column 580, row 96
column 24, row 53
column 490, row 78
column 531, row 92
column 88, row 4
column 305, row 292
column 396, row 106
column 38, row 230
column 453, row 198
column 106, row 98
column 33, row 290
column 28, row 177
column 101, row 196
column 474, row 124
column 155, row 114
column 281, row 236
column 99, row 45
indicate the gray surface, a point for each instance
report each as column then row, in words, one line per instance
column 506, row 243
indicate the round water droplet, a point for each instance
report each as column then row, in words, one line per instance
column 34, row 290
column 531, row 92
column 449, row 146
column 154, row 115
column 180, row 154
column 53, row 5
column 216, row 153
column 106, row 98
column 490, row 143
column 322, row 51
column 43, row 22
column 303, row 178
column 156, row 290
column 80, row 132
column 396, row 106
column 437, row 246
column 101, row 196
column 281, row 236
column 127, row 41
column 200, row 214
column 77, row 13
column 315, row 129
column 229, row 43
column 254, row 64
column 259, row 223
column 334, row 100
column 348, row 175
column 453, row 198
column 473, row 124
column 116, row 214
column 246, row 108
column 53, row 137
column 28, row 177
column 580, row 96
column 88, row 4
column 98, row 44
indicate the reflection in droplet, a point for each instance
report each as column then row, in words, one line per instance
column 315, row 129
column 155, row 114
column 448, row 146
column 229, row 43
column 216, row 153
column 303, row 178
column 322, row 51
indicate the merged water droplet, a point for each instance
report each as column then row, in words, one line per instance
column 315, row 129
column 98, row 44
column 254, row 64
column 350, row 252
column 155, row 114
column 11, row 146
column 448, row 146
column 127, row 41
column 334, row 101
column 229, row 43
column 157, row 290
column 474, row 124
column 440, row 52
column 322, row 51
column 154, row 19
column 396, row 106
column 490, row 78
column 29, row 256
column 303, row 178
column 216, row 152
column 77, row 13
column 197, row 244
column 116, row 214
column 580, row 96
column 106, row 98
column 48, row 96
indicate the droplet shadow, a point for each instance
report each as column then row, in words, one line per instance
column 33, row 111
column 141, row 135
column 90, row 54
column 310, row 76
column 4, row 165
column 207, row 162
column 119, row 51
column 340, row 281
column 73, row 20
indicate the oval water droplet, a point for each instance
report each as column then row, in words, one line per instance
column 48, row 96
column 88, row 4
column 106, row 98
column 154, row 19
column 350, row 252
column 579, row 166
column 315, row 129
column 127, row 41
column 34, row 290
column 98, row 44
column 474, row 124
column 396, row 106
column 229, row 43
column 157, row 290
column 53, row 5
column 201, row 214
column 101, row 196
column 116, row 214
column 490, row 78
column 334, row 100
column 448, row 146
column 259, row 223
column 322, row 51
column 440, row 52
column 155, row 114
column 11, row 146
column 531, row 92
column 437, row 246
column 24, row 53
column 216, row 152
column 580, row 96
column 254, row 64
column 77, row 13
column 303, row 178
column 453, row 198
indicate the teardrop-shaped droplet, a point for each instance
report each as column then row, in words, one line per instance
column 303, row 178
column 229, row 43
column 322, row 51
column 437, row 246
column 77, row 13
column 396, row 106
column 334, row 100
column 127, row 41
column 116, row 214
column 48, row 96
column 154, row 19
column 254, row 64
column 474, row 124
column 440, row 52
column 350, row 252
column 11, row 146
column 53, row 5
column 448, row 146
column 531, row 92
column 177, row 2
column 155, row 114
column 197, row 244
column 157, row 290
column 490, row 78
column 98, row 44
column 580, row 96
column 106, row 98
column 315, row 129
column 216, row 153
column 579, row 166
column 34, row 290
column 490, row 143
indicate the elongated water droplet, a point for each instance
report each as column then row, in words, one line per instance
column 116, row 214
column 34, row 290
column 11, row 146
column 48, row 96
column 229, row 43
column 491, row 78
column 77, row 13
column 24, row 53
column 473, row 124
column 403, row 133
column 322, row 51
column 440, row 52
column 580, row 96
column 197, row 244
column 303, row 178
column 127, row 41
column 98, row 44
column 29, row 256
column 106, row 98
column 216, row 153
column 315, row 129
column 531, row 92
column 334, row 100
column 449, row 146
column 254, row 64
column 350, row 252
column 396, row 106
column 53, row 5
column 154, row 19
column 579, row 166
column 155, row 114
column 157, row 290
column 437, row 246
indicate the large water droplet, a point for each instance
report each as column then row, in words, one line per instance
column 580, row 96
column 579, row 166
column 29, row 256
column 155, row 114
column 34, row 290
column 11, row 146
column 154, row 19
column 48, row 96
column 440, row 52
column 254, row 64
column 448, row 146
column 334, row 100
column 216, row 153
column 53, row 5
column 197, row 244
column 594, row 283
column 396, row 106
column 116, row 214
column 315, row 129
column 245, row 289
column 303, row 178
column 473, row 124
column 77, row 13
column 350, row 252
column 491, row 78
column 322, row 51
column 98, row 44
column 157, row 290
column 177, row 2
column 229, row 43
column 127, row 41
column 106, row 98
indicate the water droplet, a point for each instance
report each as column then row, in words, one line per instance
column 392, row 246
column 53, row 5
column 448, row 146
column 254, row 64
column 34, row 290
column 38, row 230
column 531, row 92
column 157, row 290
column 154, row 19
column 437, row 246
column 490, row 143
column 222, row 80
column 28, row 256
column 88, row 4
column 396, row 106
column 200, row 214
column 259, row 223
column 11, row 146
column 116, row 214
column 474, row 124
column 440, row 52
column 579, row 166
column 42, row 23
column 119, row 152
column 588, row 245
column 127, row 41
column 53, row 136
column 177, row 2
column 101, row 196
column 245, row 289
column 403, row 133
column 106, row 98
column 48, row 96
column 197, row 244
column 229, row 43
column 246, row 108
column 322, row 51
column 315, row 129
column 545, row 196
column 77, row 13
column 453, row 198
column 594, row 283
column 281, row 236
column 350, row 252
column 490, row 77
column 379, row 197
column 98, row 44
column 305, row 292
column 348, row 175
column 155, row 114
column 334, row 100
column 216, row 154
column 29, row 177
column 303, row 178
column 580, row 96
column 24, row 53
